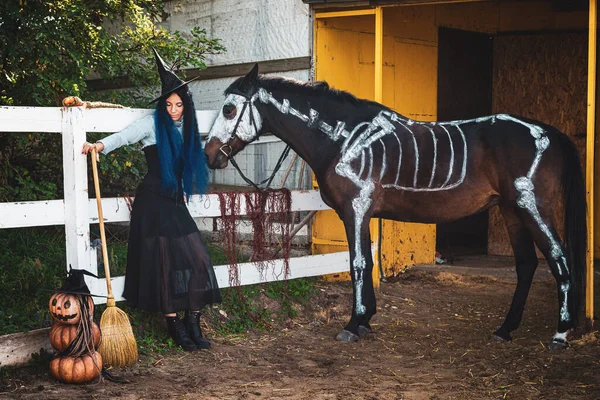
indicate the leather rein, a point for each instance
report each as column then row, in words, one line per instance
column 234, row 135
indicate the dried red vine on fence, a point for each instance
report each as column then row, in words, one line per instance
column 230, row 211
column 267, row 210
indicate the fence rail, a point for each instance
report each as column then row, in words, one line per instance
column 77, row 211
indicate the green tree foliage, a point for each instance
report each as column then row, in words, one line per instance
column 49, row 49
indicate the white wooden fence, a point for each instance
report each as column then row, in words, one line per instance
column 77, row 211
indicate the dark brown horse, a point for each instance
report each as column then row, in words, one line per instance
column 371, row 162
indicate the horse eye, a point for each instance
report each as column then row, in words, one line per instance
column 229, row 111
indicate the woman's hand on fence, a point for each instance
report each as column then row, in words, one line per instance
column 87, row 147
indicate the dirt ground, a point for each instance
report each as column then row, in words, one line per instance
column 430, row 341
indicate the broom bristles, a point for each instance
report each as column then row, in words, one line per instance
column 118, row 346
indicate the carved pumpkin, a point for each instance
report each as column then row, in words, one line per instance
column 65, row 307
column 76, row 369
column 61, row 335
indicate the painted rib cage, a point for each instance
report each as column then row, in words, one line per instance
column 396, row 151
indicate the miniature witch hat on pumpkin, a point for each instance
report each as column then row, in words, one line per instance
column 74, row 283
column 73, row 290
column 170, row 81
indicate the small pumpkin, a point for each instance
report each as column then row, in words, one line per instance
column 61, row 335
column 81, row 369
column 66, row 307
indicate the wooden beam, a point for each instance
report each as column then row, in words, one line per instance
column 30, row 119
column 250, row 273
column 377, row 232
column 358, row 5
column 340, row 14
column 589, row 165
column 214, row 72
column 16, row 349
column 264, row 67
column 52, row 212
column 48, row 119
column 76, row 214
column 339, row 5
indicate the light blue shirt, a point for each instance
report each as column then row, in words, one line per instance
column 141, row 130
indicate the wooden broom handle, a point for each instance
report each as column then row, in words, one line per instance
column 101, row 222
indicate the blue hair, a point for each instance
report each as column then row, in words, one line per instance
column 180, row 158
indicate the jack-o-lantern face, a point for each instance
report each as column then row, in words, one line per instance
column 65, row 308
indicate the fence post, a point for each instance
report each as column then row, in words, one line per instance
column 77, row 228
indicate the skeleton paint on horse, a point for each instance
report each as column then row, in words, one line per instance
column 371, row 162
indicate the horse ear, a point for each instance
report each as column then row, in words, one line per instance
column 249, row 80
column 253, row 74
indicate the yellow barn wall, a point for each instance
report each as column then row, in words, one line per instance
column 345, row 58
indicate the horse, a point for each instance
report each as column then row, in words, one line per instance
column 371, row 162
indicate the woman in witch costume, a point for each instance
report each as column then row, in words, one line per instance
column 168, row 267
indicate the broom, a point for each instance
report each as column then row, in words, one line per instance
column 118, row 346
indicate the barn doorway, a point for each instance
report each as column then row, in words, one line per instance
column 465, row 67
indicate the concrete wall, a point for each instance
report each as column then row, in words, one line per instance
column 252, row 30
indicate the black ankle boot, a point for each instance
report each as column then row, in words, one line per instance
column 179, row 334
column 192, row 324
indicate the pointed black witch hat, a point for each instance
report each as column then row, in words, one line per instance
column 170, row 81
column 75, row 283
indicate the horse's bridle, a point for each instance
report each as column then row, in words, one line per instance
column 234, row 136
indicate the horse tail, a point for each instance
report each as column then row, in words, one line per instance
column 575, row 222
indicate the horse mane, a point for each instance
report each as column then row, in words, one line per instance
column 319, row 89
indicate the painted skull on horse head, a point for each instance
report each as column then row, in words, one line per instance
column 371, row 162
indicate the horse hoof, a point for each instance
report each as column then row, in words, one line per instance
column 501, row 336
column 498, row 339
column 346, row 336
column 363, row 331
column 558, row 344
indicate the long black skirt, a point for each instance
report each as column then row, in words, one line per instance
column 168, row 266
